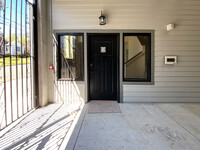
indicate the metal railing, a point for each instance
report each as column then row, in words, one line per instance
column 16, row 60
column 66, row 90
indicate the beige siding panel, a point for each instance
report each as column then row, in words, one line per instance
column 175, row 68
column 182, row 58
column 178, row 84
column 172, row 83
column 180, row 64
column 164, row 33
column 177, row 48
column 179, row 53
column 177, row 38
column 177, row 74
column 160, row 99
column 177, row 79
column 178, row 42
column 154, row 89
column 81, row 87
column 147, row 94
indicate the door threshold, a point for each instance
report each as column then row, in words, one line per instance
column 103, row 100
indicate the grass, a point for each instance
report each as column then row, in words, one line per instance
column 13, row 61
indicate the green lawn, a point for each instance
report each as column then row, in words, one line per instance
column 13, row 61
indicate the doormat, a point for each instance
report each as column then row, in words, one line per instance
column 103, row 107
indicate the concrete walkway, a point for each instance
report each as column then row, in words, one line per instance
column 140, row 127
column 45, row 128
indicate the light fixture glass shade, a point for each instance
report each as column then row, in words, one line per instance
column 102, row 19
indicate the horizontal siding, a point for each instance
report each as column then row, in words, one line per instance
column 129, row 14
column 180, row 53
column 177, row 69
column 150, row 94
column 177, row 79
column 180, row 64
column 186, row 58
column 172, row 83
column 177, row 48
column 170, row 99
column 154, row 89
column 178, row 74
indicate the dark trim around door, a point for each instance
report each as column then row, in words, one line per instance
column 118, row 64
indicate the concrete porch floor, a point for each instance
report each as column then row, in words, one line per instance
column 138, row 127
column 44, row 128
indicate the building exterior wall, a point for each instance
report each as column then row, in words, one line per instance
column 172, row 83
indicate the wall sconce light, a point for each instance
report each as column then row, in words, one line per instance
column 102, row 19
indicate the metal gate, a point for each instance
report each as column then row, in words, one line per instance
column 16, row 59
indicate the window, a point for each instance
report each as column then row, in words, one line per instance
column 71, row 53
column 137, row 57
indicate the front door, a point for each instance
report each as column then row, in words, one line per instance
column 103, row 66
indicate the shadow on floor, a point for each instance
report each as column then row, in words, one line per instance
column 44, row 129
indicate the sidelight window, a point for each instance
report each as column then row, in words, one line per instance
column 71, row 56
column 137, row 57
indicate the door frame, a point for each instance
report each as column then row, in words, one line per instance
column 117, row 35
column 122, row 84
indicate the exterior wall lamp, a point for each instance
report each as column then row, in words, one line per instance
column 102, row 19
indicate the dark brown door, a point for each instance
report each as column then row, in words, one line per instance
column 102, row 66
